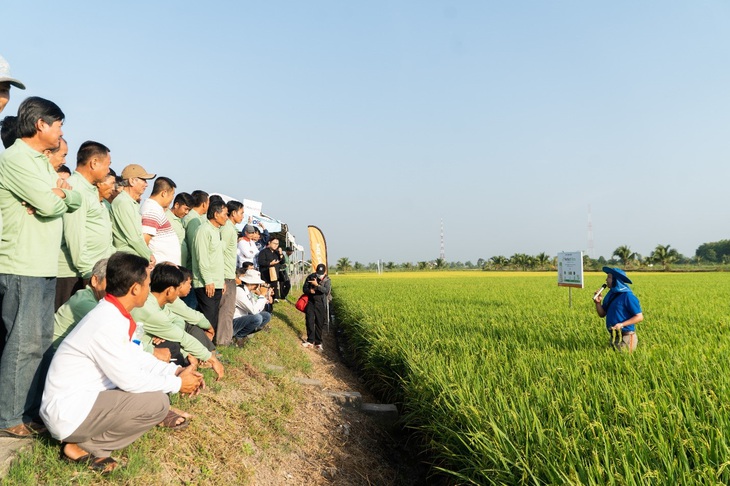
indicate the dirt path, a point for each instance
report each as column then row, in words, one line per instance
column 343, row 446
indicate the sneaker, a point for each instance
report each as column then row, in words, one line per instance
column 307, row 344
column 318, row 347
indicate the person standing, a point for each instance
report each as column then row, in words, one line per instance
column 195, row 217
column 87, row 233
column 157, row 230
column 269, row 259
column 126, row 219
column 180, row 208
column 29, row 262
column 229, row 238
column 207, row 255
column 621, row 309
column 317, row 286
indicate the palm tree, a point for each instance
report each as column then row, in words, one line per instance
column 499, row 261
column 358, row 266
column 542, row 260
column 422, row 265
column 624, row 254
column 343, row 264
column 664, row 255
column 440, row 263
column 521, row 260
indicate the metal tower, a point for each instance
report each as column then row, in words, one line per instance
column 590, row 233
column 442, row 254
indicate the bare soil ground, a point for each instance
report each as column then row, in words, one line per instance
column 339, row 445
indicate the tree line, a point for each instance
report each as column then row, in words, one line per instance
column 663, row 257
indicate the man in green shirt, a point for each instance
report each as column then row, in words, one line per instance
column 180, row 208
column 126, row 218
column 229, row 237
column 87, row 232
column 191, row 222
column 164, row 281
column 207, row 254
column 80, row 303
column 32, row 202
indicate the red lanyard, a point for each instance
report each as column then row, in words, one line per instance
column 113, row 300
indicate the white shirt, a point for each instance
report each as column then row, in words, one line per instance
column 97, row 356
column 165, row 245
column 247, row 251
column 248, row 303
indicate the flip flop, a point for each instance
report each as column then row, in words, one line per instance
column 171, row 421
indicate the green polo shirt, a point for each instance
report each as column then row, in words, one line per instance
column 157, row 323
column 229, row 237
column 207, row 253
column 30, row 242
column 71, row 313
column 87, row 232
column 177, row 225
column 188, row 315
column 191, row 223
column 127, row 226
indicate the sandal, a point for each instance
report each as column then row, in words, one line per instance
column 102, row 465
column 171, row 421
column 21, row 431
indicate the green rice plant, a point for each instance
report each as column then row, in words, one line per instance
column 507, row 384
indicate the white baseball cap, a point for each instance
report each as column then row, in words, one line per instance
column 5, row 76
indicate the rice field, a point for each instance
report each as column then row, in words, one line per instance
column 507, row 384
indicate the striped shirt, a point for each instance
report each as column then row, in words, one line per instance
column 165, row 245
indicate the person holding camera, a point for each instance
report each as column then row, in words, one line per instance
column 252, row 296
column 317, row 286
column 621, row 309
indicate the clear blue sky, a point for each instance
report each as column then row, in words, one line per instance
column 375, row 120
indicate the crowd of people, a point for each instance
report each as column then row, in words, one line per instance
column 140, row 294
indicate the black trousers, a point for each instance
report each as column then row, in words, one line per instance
column 65, row 288
column 200, row 335
column 316, row 317
column 284, row 288
column 209, row 305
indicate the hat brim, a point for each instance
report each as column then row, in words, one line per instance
column 249, row 281
column 13, row 81
column 618, row 276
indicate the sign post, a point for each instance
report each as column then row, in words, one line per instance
column 570, row 272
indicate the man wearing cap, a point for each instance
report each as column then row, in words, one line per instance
column 317, row 286
column 251, row 299
column 87, row 233
column 6, row 80
column 621, row 309
column 157, row 230
column 29, row 261
column 247, row 249
column 126, row 219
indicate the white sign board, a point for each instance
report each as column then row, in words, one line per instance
column 570, row 269
column 252, row 208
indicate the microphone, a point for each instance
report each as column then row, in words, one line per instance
column 600, row 291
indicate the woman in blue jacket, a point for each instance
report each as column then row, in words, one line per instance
column 621, row 309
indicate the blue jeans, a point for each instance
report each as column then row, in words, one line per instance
column 245, row 325
column 26, row 309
